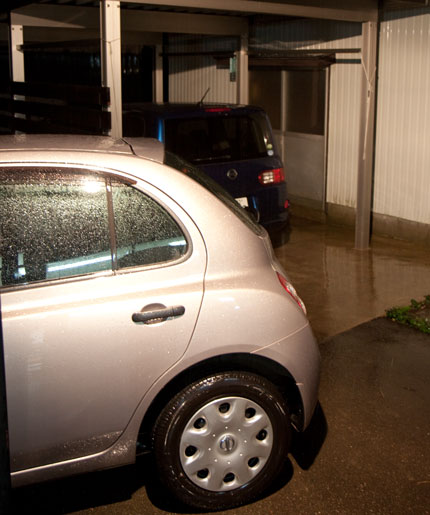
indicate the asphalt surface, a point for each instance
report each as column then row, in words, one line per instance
column 367, row 450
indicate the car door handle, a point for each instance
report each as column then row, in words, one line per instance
column 158, row 315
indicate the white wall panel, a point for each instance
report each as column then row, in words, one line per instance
column 343, row 134
column 402, row 165
column 344, row 94
column 402, row 152
column 301, row 34
column 191, row 75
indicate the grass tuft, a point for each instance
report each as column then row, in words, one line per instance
column 416, row 315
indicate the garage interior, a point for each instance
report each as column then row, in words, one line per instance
column 314, row 66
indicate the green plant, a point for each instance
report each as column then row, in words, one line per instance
column 416, row 315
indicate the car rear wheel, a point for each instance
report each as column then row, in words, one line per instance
column 221, row 441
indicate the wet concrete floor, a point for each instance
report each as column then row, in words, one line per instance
column 343, row 287
column 367, row 448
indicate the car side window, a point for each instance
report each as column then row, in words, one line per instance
column 145, row 231
column 65, row 223
column 53, row 224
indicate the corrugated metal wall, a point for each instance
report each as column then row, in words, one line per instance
column 343, row 132
column 402, row 152
column 402, row 167
column 191, row 75
column 344, row 94
column 304, row 34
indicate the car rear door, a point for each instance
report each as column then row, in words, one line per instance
column 84, row 259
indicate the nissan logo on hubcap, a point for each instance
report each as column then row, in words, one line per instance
column 232, row 174
column 227, row 443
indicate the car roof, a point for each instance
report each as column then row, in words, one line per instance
column 148, row 148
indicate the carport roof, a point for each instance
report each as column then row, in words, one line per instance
column 350, row 10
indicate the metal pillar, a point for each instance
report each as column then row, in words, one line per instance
column 242, row 71
column 367, row 133
column 110, row 30
column 284, row 106
column 16, row 55
column 17, row 70
column 158, row 74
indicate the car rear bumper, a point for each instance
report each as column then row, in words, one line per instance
column 299, row 355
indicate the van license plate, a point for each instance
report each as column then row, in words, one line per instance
column 243, row 201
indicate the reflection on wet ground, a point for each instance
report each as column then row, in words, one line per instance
column 343, row 287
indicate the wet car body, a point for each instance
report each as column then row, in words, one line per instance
column 233, row 144
column 99, row 341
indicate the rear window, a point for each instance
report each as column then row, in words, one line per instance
column 220, row 138
column 183, row 166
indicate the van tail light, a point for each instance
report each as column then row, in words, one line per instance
column 289, row 288
column 271, row 176
column 217, row 109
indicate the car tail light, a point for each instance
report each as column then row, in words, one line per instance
column 272, row 176
column 289, row 288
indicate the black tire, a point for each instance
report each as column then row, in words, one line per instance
column 222, row 440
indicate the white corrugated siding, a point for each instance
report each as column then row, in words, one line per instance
column 304, row 34
column 344, row 100
column 402, row 167
column 343, row 133
column 191, row 75
column 402, row 152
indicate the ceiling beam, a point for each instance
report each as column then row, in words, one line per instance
column 356, row 11
column 70, row 17
column 57, row 16
column 184, row 23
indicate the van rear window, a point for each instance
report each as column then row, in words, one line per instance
column 221, row 138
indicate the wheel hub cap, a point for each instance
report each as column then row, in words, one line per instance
column 226, row 443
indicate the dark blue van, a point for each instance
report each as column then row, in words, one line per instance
column 233, row 144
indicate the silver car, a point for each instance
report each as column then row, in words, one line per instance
column 144, row 311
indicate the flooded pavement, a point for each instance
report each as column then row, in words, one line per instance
column 343, row 287
column 367, row 450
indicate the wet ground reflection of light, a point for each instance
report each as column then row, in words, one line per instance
column 343, row 287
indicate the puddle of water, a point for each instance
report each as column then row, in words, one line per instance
column 343, row 287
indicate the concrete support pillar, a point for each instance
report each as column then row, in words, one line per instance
column 242, row 71
column 367, row 135
column 110, row 30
